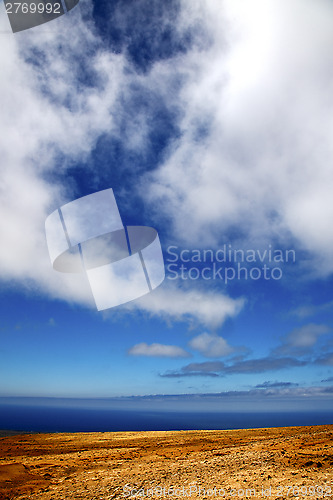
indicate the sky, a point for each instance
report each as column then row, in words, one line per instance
column 212, row 122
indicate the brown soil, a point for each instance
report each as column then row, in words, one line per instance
column 295, row 462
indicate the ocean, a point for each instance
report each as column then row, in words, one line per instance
column 63, row 419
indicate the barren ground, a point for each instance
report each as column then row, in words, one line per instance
column 295, row 462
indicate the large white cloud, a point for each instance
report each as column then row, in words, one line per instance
column 255, row 150
column 47, row 113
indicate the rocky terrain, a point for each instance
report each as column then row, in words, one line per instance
column 278, row 463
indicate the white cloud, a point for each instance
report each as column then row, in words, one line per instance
column 254, row 152
column 302, row 339
column 255, row 147
column 47, row 113
column 192, row 305
column 310, row 310
column 211, row 346
column 158, row 350
column 307, row 335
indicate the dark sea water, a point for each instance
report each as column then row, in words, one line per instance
column 48, row 419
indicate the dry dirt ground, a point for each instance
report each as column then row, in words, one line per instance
column 279, row 463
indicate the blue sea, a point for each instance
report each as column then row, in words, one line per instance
column 61, row 419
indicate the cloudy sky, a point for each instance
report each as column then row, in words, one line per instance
column 212, row 122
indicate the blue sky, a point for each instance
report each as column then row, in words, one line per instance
column 213, row 126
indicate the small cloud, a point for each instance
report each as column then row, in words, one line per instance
column 275, row 385
column 211, row 346
column 301, row 340
column 241, row 353
column 207, row 369
column 158, row 350
column 51, row 322
column 329, row 379
column 173, row 303
column 310, row 310
column 303, row 312
column 171, row 374
column 220, row 369
column 325, row 360
column 264, row 365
